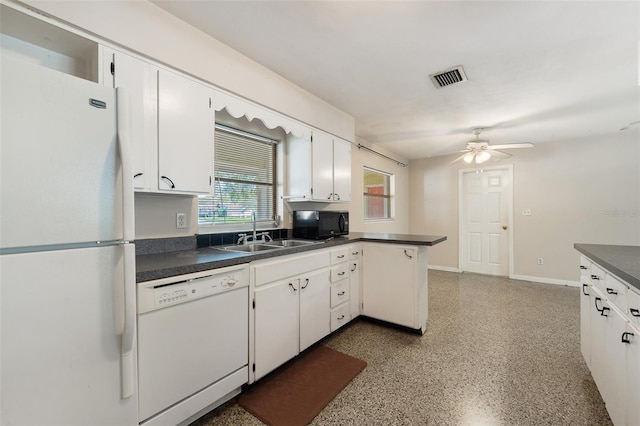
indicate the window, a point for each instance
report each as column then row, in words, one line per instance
column 244, row 179
column 377, row 194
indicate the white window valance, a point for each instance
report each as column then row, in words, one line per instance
column 238, row 107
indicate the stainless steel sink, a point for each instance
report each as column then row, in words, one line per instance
column 253, row 248
column 291, row 243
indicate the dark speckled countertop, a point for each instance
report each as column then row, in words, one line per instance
column 622, row 261
column 162, row 265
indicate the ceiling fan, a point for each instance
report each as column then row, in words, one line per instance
column 479, row 150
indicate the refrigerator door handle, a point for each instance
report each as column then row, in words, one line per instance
column 124, row 146
column 127, row 361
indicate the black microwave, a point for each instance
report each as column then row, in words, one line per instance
column 318, row 224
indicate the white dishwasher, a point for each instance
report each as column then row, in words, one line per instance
column 192, row 343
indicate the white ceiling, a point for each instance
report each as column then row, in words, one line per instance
column 538, row 71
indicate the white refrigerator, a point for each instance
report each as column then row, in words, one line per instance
column 67, row 264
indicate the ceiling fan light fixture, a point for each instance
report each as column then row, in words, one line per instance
column 469, row 157
column 481, row 157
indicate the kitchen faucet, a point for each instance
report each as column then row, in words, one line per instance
column 264, row 236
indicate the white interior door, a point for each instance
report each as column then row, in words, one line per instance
column 485, row 221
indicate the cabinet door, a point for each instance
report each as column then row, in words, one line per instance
column 614, row 391
column 299, row 168
column 139, row 79
column 633, row 375
column 354, row 287
column 314, row 307
column 322, row 167
column 276, row 325
column 390, row 289
column 597, row 324
column 341, row 170
column 186, row 124
column 585, row 326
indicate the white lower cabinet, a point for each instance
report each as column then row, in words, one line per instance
column 394, row 284
column 340, row 287
column 633, row 374
column 355, row 280
column 610, row 342
column 291, row 308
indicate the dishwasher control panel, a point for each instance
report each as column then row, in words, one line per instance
column 158, row 294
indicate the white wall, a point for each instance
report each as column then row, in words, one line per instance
column 579, row 191
column 361, row 158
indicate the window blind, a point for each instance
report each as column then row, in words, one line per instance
column 244, row 179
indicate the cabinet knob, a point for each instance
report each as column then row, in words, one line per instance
column 504, row 227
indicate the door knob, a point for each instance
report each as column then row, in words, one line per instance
column 504, row 227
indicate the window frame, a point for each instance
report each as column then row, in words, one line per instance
column 209, row 227
column 390, row 214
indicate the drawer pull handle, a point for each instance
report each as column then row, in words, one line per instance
column 594, row 277
column 611, row 291
column 596, row 303
column 293, row 287
column 408, row 255
column 603, row 311
column 341, row 317
column 355, row 253
column 341, row 273
column 306, row 283
column 583, row 287
column 355, row 266
column 625, row 337
column 341, row 293
column 341, row 256
column 634, row 312
column 583, row 267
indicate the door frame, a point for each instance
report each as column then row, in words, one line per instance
column 461, row 193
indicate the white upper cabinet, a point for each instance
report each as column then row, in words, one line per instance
column 341, row 170
column 319, row 169
column 140, row 80
column 186, row 124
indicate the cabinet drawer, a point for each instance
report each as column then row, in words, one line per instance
column 340, row 272
column 355, row 252
column 616, row 292
column 633, row 313
column 339, row 316
column 339, row 293
column 339, row 255
column 286, row 266
column 597, row 277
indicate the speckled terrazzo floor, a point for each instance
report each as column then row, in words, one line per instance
column 496, row 352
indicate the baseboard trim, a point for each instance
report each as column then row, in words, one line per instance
column 516, row 277
column 546, row 280
column 444, row 268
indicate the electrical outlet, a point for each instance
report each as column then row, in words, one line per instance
column 181, row 220
column 540, row 261
column 526, row 212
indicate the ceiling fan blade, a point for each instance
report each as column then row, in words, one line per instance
column 460, row 157
column 498, row 155
column 512, row 145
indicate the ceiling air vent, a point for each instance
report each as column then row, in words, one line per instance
column 448, row 77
